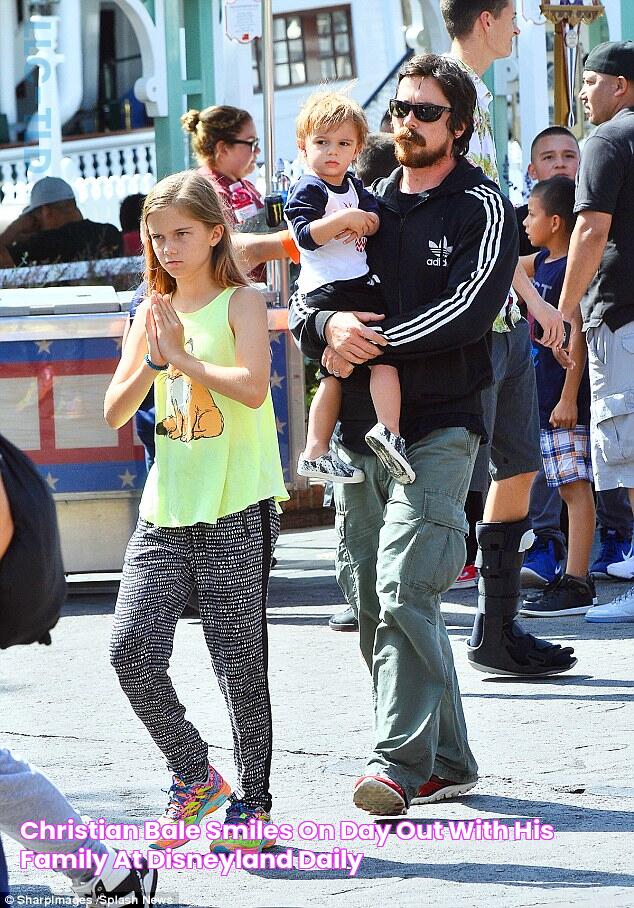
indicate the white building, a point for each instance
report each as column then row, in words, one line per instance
column 114, row 59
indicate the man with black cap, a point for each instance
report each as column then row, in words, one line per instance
column 52, row 229
column 600, row 276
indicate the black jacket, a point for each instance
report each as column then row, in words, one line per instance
column 446, row 266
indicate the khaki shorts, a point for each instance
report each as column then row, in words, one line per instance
column 611, row 366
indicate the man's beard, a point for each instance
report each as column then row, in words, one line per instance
column 412, row 151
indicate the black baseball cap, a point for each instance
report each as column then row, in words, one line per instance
column 614, row 58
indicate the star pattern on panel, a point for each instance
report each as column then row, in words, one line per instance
column 276, row 337
column 52, row 481
column 280, row 426
column 43, row 346
column 276, row 380
column 127, row 479
column 118, row 342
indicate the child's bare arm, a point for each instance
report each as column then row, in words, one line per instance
column 528, row 261
column 132, row 378
column 248, row 381
column 361, row 223
column 565, row 414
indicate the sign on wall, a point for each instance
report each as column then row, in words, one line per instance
column 243, row 20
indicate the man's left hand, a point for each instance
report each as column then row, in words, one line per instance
column 350, row 334
column 336, row 364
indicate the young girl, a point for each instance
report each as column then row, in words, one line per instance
column 208, row 515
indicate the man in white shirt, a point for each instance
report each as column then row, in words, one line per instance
column 482, row 31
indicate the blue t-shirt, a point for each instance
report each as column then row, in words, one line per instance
column 549, row 280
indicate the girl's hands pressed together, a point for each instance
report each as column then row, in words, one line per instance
column 170, row 334
column 153, row 349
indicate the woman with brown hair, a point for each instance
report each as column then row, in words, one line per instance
column 225, row 144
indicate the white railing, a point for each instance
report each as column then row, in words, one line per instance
column 102, row 170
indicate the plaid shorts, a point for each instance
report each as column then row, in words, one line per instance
column 566, row 455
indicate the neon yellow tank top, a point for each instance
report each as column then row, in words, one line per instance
column 214, row 456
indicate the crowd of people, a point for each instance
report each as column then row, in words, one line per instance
column 436, row 339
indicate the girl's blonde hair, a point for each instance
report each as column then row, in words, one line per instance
column 326, row 110
column 193, row 194
column 212, row 125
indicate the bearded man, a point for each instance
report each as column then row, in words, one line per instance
column 445, row 253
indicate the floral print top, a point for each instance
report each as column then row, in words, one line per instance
column 482, row 153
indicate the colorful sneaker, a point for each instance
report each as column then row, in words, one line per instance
column 467, row 577
column 623, row 570
column 390, row 449
column 614, row 548
column 119, row 886
column 329, row 467
column 438, row 789
column 619, row 611
column 191, row 803
column 540, row 564
column 249, row 824
column 380, row 796
column 565, row 596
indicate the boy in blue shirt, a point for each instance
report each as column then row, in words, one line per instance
column 564, row 405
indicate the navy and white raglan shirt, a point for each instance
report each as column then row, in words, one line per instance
column 311, row 199
column 549, row 280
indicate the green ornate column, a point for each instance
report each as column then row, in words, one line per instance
column 627, row 20
column 197, row 87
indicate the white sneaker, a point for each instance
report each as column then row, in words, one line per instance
column 624, row 570
column 619, row 611
column 329, row 467
column 120, row 886
column 390, row 449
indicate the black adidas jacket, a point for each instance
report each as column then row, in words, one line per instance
column 446, row 267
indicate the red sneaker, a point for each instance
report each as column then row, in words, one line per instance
column 467, row 577
column 380, row 796
column 438, row 789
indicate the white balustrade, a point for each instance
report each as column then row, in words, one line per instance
column 102, row 171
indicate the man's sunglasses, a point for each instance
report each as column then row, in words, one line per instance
column 252, row 143
column 426, row 113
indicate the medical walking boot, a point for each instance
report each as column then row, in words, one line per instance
column 498, row 644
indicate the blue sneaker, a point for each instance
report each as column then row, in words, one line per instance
column 614, row 548
column 244, row 829
column 541, row 566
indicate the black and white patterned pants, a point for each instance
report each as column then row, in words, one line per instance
column 229, row 563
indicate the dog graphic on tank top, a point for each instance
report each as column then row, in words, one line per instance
column 194, row 411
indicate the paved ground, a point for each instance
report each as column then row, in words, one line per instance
column 558, row 750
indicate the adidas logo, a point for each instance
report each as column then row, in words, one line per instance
column 440, row 253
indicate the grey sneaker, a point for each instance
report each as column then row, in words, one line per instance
column 329, row 466
column 390, row 449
